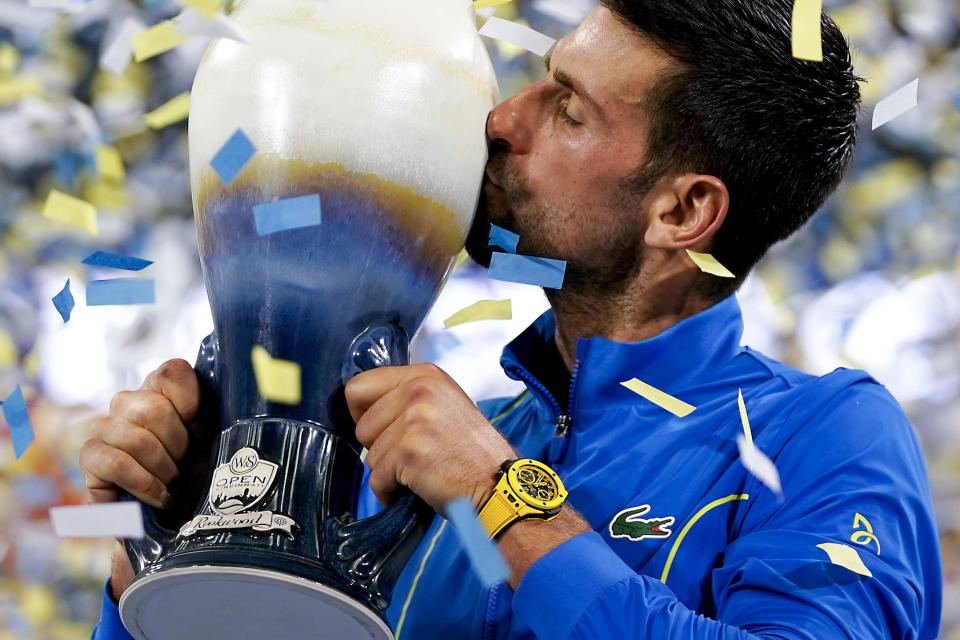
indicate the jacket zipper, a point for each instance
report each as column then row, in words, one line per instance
column 562, row 430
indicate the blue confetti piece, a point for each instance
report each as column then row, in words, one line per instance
column 506, row 240
column 21, row 431
column 64, row 302
column 233, row 157
column 120, row 291
column 116, row 261
column 542, row 272
column 486, row 559
column 292, row 213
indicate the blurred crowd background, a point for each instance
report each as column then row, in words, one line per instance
column 873, row 282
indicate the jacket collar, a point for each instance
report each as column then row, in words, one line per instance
column 673, row 360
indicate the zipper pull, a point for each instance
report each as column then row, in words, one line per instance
column 563, row 426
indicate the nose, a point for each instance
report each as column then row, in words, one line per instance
column 509, row 124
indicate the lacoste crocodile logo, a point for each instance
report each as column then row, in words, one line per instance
column 629, row 524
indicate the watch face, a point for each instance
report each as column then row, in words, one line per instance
column 536, row 484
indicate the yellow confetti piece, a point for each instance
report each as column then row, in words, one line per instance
column 8, row 350
column 483, row 310
column 17, row 88
column 278, row 380
column 106, row 196
column 486, row 4
column 660, row 398
column 805, row 25
column 73, row 211
column 110, row 163
column 461, row 258
column 206, row 7
column 158, row 39
column 9, row 59
column 845, row 556
column 363, row 454
column 708, row 264
column 747, row 432
column 173, row 111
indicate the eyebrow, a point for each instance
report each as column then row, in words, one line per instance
column 561, row 77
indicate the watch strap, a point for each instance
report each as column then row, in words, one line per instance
column 497, row 513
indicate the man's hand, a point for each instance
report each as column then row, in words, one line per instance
column 137, row 445
column 423, row 432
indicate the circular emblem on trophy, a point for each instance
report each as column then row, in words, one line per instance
column 236, row 488
column 241, row 483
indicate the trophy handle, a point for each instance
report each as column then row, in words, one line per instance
column 161, row 527
column 372, row 552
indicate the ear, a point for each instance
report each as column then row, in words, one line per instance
column 686, row 211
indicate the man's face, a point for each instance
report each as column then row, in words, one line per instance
column 564, row 155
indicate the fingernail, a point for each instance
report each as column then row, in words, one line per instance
column 166, row 499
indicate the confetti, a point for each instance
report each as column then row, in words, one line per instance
column 845, row 556
column 517, row 34
column 169, row 113
column 9, row 353
column 278, row 380
column 291, row 213
column 9, row 58
column 506, row 240
column 17, row 88
column 486, row 559
column 72, row 211
column 108, row 520
column 747, row 431
column 660, row 398
column 896, row 104
column 206, row 7
column 483, row 310
column 233, row 157
column 120, row 291
column 759, row 465
column 486, row 4
column 110, row 163
column 805, row 28
column 158, row 39
column 542, row 272
column 18, row 420
column 116, row 261
column 709, row 264
column 64, row 302
column 194, row 23
column 116, row 55
column 461, row 258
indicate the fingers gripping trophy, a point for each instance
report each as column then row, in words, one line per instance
column 374, row 111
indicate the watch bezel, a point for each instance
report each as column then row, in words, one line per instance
column 548, row 507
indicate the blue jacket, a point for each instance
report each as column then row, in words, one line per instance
column 686, row 544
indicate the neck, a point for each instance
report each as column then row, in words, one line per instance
column 639, row 312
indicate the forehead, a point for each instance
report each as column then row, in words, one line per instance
column 614, row 63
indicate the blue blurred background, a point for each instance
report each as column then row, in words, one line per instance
column 872, row 282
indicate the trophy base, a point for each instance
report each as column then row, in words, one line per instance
column 237, row 603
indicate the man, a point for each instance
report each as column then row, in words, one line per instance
column 660, row 127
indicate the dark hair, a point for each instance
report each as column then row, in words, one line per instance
column 778, row 131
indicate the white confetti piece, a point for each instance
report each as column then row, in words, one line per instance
column 194, row 23
column 845, row 556
column 116, row 55
column 896, row 104
column 109, row 520
column 518, row 34
column 759, row 465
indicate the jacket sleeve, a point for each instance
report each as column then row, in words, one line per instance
column 110, row 627
column 858, row 457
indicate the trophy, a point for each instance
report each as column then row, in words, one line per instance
column 373, row 112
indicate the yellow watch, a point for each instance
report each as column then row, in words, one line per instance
column 526, row 489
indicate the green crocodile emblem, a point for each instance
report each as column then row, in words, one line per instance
column 629, row 524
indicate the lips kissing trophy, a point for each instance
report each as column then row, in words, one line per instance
column 327, row 249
